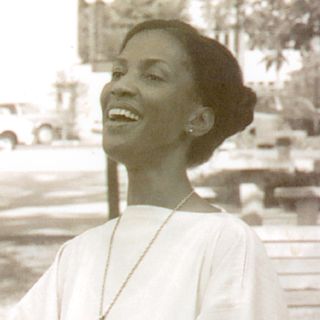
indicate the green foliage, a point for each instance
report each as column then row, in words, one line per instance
column 137, row 10
column 279, row 24
column 272, row 25
column 274, row 57
column 306, row 81
column 220, row 14
column 102, row 26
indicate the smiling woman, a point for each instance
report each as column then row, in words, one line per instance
column 157, row 87
column 174, row 96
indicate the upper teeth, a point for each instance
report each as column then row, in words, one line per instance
column 122, row 112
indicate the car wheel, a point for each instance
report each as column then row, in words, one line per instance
column 8, row 141
column 45, row 135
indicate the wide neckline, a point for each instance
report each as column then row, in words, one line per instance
column 145, row 208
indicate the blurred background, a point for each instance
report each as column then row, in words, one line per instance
column 55, row 180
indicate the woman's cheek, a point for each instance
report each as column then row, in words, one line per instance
column 105, row 94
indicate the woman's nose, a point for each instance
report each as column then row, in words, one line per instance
column 124, row 87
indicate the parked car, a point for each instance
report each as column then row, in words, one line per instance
column 14, row 130
column 46, row 125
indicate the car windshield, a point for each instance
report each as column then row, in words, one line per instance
column 6, row 109
column 28, row 108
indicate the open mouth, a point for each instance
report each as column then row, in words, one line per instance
column 122, row 115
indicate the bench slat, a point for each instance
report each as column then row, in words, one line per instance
column 292, row 233
column 297, row 265
column 303, row 298
column 304, row 313
column 300, row 282
column 308, row 250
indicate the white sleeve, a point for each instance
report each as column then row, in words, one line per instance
column 42, row 300
column 243, row 284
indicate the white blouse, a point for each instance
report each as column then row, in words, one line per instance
column 203, row 266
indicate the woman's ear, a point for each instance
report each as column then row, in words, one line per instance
column 200, row 122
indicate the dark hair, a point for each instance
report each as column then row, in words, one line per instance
column 218, row 80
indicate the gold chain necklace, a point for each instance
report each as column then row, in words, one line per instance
column 104, row 314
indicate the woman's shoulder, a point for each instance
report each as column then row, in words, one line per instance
column 227, row 229
column 228, row 238
column 232, row 222
column 227, row 221
column 90, row 239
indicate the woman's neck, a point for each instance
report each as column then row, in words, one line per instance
column 162, row 186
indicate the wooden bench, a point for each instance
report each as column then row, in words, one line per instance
column 295, row 252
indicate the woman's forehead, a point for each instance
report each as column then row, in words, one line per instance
column 154, row 45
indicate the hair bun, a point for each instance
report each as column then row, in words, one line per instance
column 239, row 113
column 249, row 98
column 245, row 107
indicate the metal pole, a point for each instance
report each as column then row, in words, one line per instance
column 113, row 188
column 237, row 30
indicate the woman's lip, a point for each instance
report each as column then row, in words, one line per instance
column 114, row 123
column 120, row 128
column 123, row 106
column 120, row 123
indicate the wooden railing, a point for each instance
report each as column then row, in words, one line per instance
column 295, row 252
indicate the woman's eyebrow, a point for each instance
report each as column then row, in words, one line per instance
column 160, row 63
column 152, row 61
column 145, row 63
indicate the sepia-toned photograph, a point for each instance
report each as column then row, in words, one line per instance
column 160, row 159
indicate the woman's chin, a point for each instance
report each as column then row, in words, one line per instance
column 121, row 153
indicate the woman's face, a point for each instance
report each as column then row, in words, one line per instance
column 148, row 100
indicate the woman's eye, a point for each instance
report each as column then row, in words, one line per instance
column 117, row 75
column 153, row 77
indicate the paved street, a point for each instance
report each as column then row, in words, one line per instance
column 58, row 158
column 47, row 196
column 34, row 177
